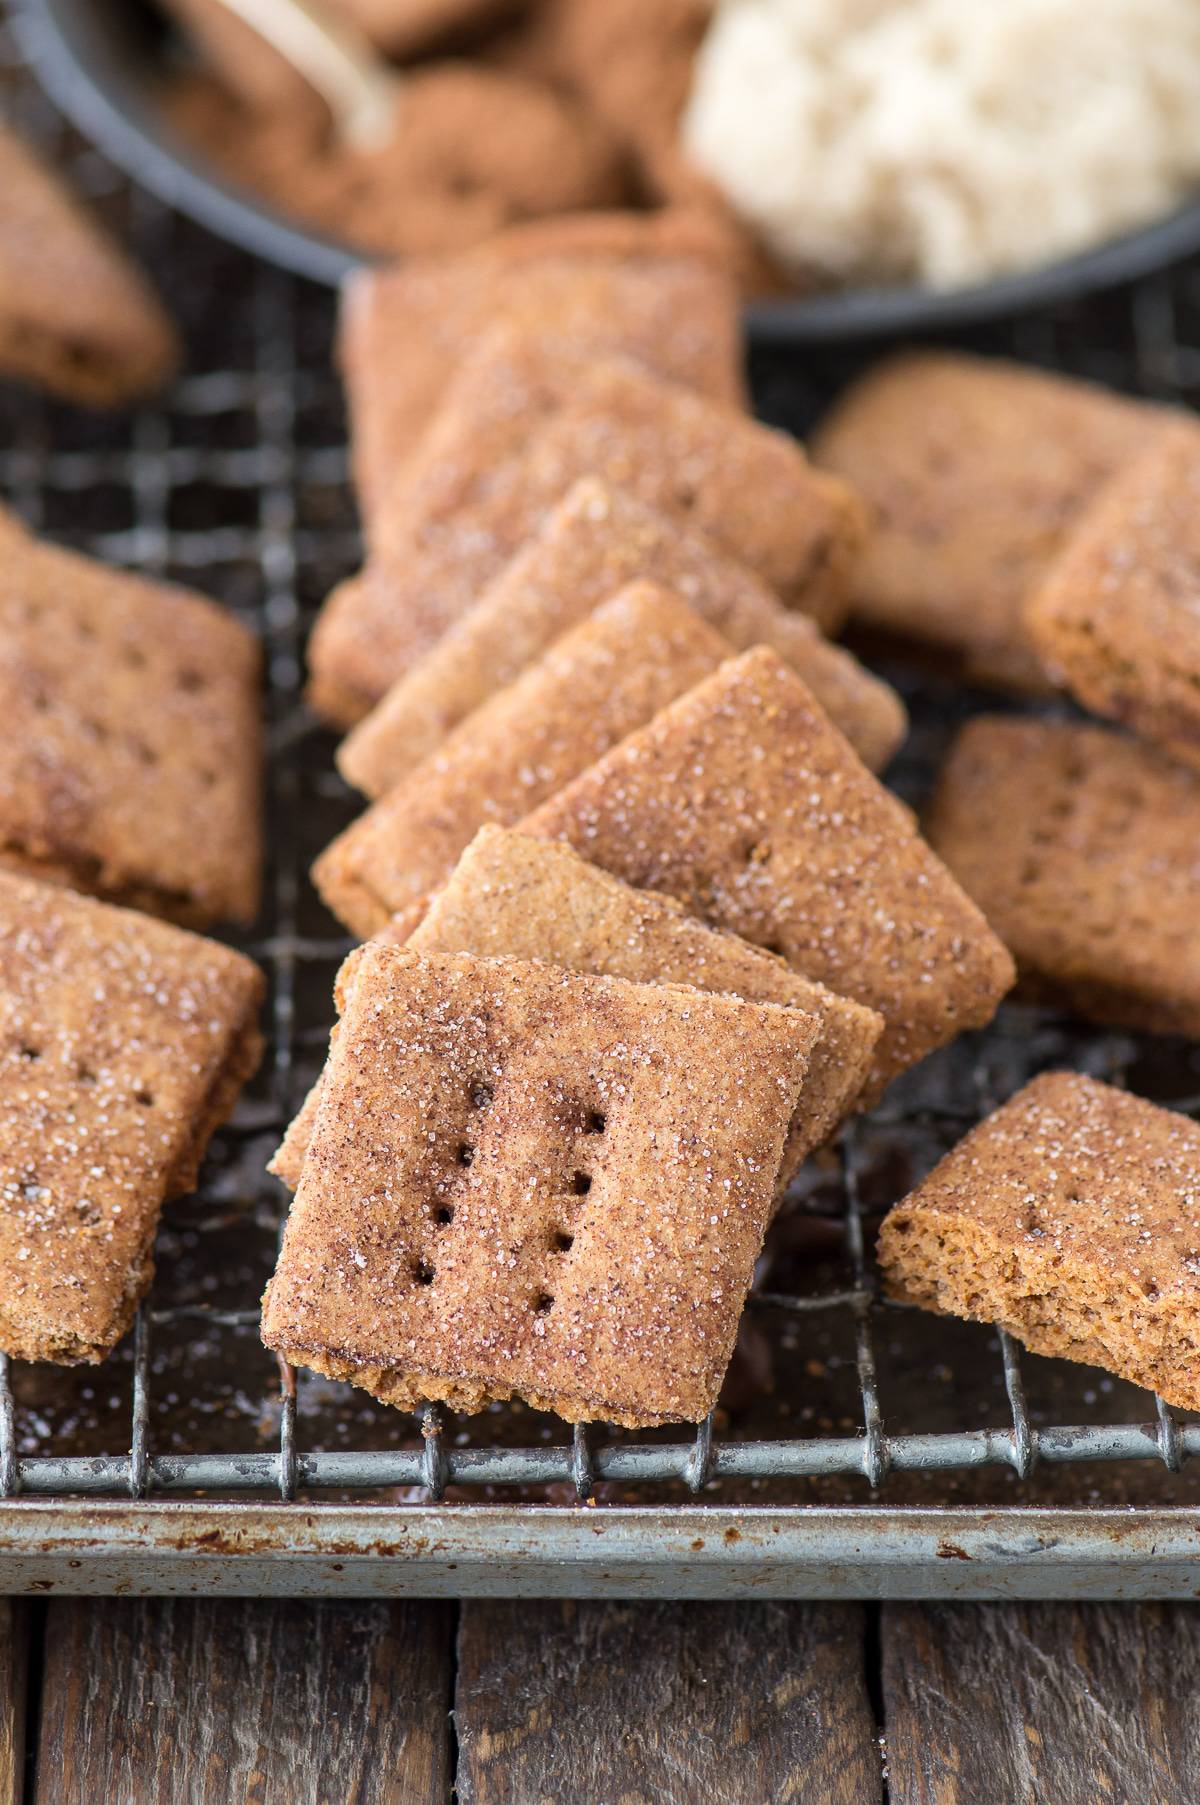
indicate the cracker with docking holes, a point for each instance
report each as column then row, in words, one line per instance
column 527, row 1182
column 638, row 652
column 406, row 328
column 976, row 472
column 1082, row 848
column 123, row 1046
column 76, row 316
column 1118, row 618
column 129, row 765
column 598, row 538
column 1071, row 1218
column 746, row 805
column 512, row 896
column 520, row 425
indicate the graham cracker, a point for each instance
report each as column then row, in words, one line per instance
column 976, row 471
column 639, row 651
column 1071, row 1218
column 76, row 315
column 744, row 803
column 123, row 1045
column 1080, row 847
column 596, row 539
column 130, row 760
column 527, row 1182
column 1117, row 620
column 522, row 422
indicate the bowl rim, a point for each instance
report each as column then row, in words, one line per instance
column 83, row 68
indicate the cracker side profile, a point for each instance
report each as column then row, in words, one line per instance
column 1081, row 848
column 744, row 803
column 129, row 765
column 527, row 1182
column 975, row 472
column 1071, row 1218
column 1117, row 621
column 639, row 651
column 596, row 539
column 123, row 1046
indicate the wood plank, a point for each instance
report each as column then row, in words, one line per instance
column 14, row 1673
column 729, row 1704
column 280, row 1702
column 1033, row 1702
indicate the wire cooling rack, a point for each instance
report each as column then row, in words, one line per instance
column 846, row 1409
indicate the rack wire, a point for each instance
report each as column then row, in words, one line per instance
column 237, row 485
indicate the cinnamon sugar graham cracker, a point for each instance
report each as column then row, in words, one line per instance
column 636, row 653
column 516, row 897
column 976, row 472
column 129, row 766
column 1082, row 848
column 598, row 538
column 1118, row 618
column 744, row 803
column 1071, row 1218
column 526, row 1182
column 523, row 422
column 123, row 1045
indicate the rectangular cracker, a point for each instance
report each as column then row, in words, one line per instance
column 1071, row 1218
column 743, row 802
column 1082, row 848
column 1117, row 620
column 129, row 764
column 596, row 539
column 976, row 471
column 406, row 328
column 523, row 1181
column 123, row 1045
column 639, row 651
column 520, row 424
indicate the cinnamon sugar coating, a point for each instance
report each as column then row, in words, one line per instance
column 1070, row 1217
column 639, row 651
column 527, row 1182
column 123, row 1045
column 746, row 805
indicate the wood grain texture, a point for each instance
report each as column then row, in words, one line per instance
column 220, row 1701
column 14, row 1669
column 666, row 1703
column 1042, row 1704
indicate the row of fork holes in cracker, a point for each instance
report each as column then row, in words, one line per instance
column 28, row 1054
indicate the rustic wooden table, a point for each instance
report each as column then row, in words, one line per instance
column 187, row 1702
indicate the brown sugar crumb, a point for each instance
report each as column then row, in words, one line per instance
column 976, row 471
column 597, row 539
column 521, row 423
column 746, row 805
column 441, row 1244
column 1071, row 1218
column 1082, row 848
column 1118, row 619
column 130, row 759
column 599, row 682
column 123, row 1045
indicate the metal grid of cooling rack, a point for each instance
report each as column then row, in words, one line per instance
column 237, row 484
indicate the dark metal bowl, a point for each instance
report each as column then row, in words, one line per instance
column 103, row 62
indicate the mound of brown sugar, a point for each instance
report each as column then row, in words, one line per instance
column 1071, row 1218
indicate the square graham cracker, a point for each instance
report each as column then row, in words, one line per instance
column 976, row 471
column 1117, row 621
column 744, row 803
column 638, row 652
column 1071, row 1218
column 527, row 1182
column 1082, row 848
column 521, row 423
column 595, row 540
column 123, row 1044
column 129, row 766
